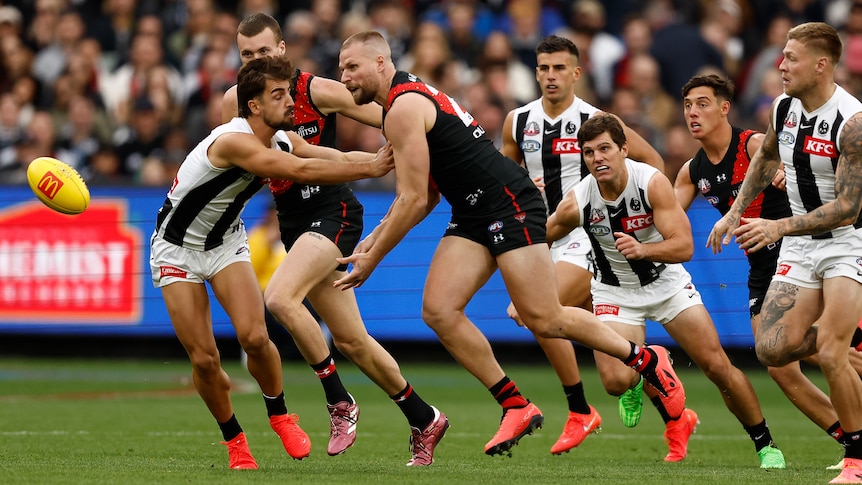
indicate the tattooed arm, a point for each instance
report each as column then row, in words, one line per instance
column 760, row 173
column 755, row 234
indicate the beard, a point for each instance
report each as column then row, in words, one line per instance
column 285, row 123
column 363, row 96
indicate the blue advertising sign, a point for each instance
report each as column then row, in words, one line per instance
column 89, row 274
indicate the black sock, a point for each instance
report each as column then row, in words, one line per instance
column 857, row 338
column 836, row 432
column 577, row 400
column 507, row 394
column 332, row 386
column 760, row 435
column 418, row 413
column 275, row 406
column 852, row 442
column 230, row 429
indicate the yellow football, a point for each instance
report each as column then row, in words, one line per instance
column 58, row 185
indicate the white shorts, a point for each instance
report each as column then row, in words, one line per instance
column 170, row 263
column 574, row 249
column 662, row 300
column 807, row 262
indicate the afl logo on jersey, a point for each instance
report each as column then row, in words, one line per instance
column 790, row 120
column 599, row 230
column 786, row 138
column 530, row 146
column 532, row 129
column 495, row 226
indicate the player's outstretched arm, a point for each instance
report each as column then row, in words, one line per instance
column 246, row 151
column 333, row 97
column 760, row 173
column 410, row 118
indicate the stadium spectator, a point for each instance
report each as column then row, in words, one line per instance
column 637, row 39
column 142, row 138
column 525, row 23
column 601, row 48
column 509, row 78
column 766, row 59
column 658, row 106
column 11, row 131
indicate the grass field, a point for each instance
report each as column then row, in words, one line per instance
column 99, row 421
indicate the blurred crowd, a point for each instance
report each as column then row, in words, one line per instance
column 122, row 89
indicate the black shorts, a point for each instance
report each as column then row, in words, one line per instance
column 506, row 229
column 762, row 266
column 339, row 219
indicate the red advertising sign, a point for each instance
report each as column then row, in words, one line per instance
column 69, row 269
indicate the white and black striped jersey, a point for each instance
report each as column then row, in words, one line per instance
column 205, row 202
column 630, row 213
column 808, row 144
column 550, row 146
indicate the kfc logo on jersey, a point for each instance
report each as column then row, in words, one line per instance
column 823, row 148
column 636, row 223
column 495, row 226
column 562, row 146
column 783, row 269
column 605, row 309
column 596, row 216
column 704, row 186
column 532, row 129
column 790, row 120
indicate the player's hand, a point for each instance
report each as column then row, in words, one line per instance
column 384, row 161
column 779, row 182
column 540, row 183
column 365, row 244
column 721, row 233
column 513, row 314
column 628, row 246
column 755, row 234
column 363, row 266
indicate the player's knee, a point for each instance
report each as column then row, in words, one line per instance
column 205, row 363
column 436, row 315
column 351, row 346
column 282, row 308
column 769, row 355
column 783, row 376
column 254, row 341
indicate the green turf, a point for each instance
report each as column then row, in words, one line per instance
column 90, row 421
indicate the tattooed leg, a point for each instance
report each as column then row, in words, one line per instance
column 774, row 346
